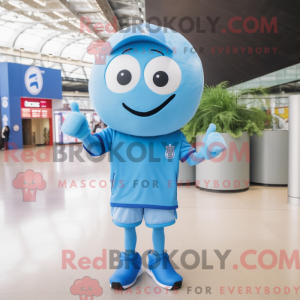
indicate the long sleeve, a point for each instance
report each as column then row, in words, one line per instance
column 188, row 153
column 98, row 143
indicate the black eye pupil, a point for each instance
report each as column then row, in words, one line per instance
column 124, row 77
column 160, row 78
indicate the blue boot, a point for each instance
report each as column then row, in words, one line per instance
column 161, row 270
column 129, row 269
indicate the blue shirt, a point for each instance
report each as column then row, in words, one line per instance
column 144, row 170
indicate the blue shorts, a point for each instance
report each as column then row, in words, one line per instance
column 132, row 217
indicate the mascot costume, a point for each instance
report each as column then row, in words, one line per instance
column 149, row 87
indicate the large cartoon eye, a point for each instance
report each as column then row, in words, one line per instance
column 24, row 181
column 162, row 75
column 33, row 182
column 124, row 77
column 122, row 74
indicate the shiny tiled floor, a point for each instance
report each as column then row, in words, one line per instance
column 33, row 236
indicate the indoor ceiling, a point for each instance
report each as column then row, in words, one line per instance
column 80, row 86
column 287, row 88
column 52, row 28
column 128, row 12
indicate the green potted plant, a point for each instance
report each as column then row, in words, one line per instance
column 236, row 121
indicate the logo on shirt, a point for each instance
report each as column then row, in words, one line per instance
column 170, row 152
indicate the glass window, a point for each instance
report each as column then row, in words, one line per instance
column 88, row 58
column 26, row 40
column 52, row 46
column 87, row 71
column 5, row 35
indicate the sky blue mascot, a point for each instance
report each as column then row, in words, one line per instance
column 149, row 87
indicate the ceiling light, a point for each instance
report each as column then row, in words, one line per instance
column 142, row 16
column 40, row 2
column 50, row 54
column 22, row 49
column 68, row 58
column 60, row 15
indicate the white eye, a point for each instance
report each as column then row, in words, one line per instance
column 122, row 74
column 162, row 75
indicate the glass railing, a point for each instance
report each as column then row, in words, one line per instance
column 280, row 84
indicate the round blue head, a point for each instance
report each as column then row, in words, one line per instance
column 150, row 84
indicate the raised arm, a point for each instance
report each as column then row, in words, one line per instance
column 212, row 145
column 76, row 125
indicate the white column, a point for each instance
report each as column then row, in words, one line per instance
column 294, row 150
column 56, row 104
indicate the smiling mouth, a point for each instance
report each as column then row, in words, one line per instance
column 150, row 112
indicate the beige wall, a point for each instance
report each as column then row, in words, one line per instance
column 38, row 126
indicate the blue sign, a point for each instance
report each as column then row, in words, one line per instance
column 41, row 82
column 34, row 80
column 18, row 81
column 4, row 102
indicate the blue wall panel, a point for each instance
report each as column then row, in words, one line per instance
column 18, row 81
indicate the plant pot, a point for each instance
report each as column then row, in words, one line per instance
column 269, row 158
column 229, row 172
column 186, row 174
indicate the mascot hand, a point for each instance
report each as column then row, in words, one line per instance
column 213, row 142
column 76, row 124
